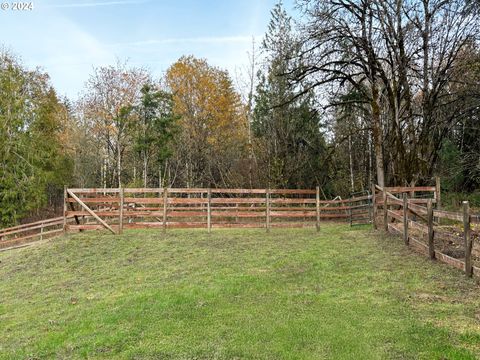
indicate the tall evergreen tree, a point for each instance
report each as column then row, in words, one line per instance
column 287, row 126
column 155, row 130
column 32, row 156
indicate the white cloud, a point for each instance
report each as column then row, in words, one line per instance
column 191, row 40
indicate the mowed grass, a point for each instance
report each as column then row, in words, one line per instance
column 234, row 294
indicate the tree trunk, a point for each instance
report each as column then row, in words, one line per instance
column 105, row 171
column 370, row 160
column 377, row 136
column 352, row 183
column 119, row 164
column 145, row 163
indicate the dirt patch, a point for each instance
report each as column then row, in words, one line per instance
column 449, row 240
column 455, row 253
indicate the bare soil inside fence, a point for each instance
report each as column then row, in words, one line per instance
column 234, row 294
column 453, row 245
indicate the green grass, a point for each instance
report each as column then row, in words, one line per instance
column 234, row 294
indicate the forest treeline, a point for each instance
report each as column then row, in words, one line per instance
column 347, row 93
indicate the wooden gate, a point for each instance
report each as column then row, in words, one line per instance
column 85, row 206
column 361, row 209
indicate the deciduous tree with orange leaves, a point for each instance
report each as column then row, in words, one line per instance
column 212, row 144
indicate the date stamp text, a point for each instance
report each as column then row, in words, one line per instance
column 16, row 6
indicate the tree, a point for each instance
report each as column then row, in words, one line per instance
column 247, row 84
column 155, row 130
column 459, row 158
column 33, row 159
column 340, row 47
column 351, row 144
column 212, row 140
column 106, row 108
column 400, row 56
column 287, row 126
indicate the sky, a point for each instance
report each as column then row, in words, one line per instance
column 67, row 38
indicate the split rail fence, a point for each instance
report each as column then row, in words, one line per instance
column 443, row 235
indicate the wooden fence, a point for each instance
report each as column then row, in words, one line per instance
column 19, row 235
column 116, row 209
column 443, row 235
column 412, row 212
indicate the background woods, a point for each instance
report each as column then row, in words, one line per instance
column 345, row 94
column 397, row 63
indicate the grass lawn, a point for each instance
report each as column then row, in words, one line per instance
column 234, row 294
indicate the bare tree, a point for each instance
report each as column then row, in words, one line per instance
column 106, row 106
column 400, row 56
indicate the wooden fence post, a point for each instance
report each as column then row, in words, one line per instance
column 467, row 239
column 267, row 203
column 318, row 208
column 65, row 199
column 385, row 211
column 165, row 200
column 350, row 213
column 431, row 247
column 209, row 211
column 374, row 207
column 405, row 219
column 120, row 209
